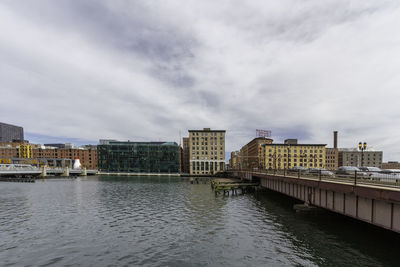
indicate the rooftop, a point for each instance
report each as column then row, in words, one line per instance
column 293, row 144
column 207, row 130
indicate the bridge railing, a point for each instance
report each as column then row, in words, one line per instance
column 18, row 167
column 356, row 177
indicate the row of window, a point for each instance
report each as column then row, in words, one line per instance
column 206, row 153
column 205, row 148
column 207, row 134
column 295, row 150
column 207, row 166
column 206, row 158
column 295, row 156
column 316, row 165
column 295, row 160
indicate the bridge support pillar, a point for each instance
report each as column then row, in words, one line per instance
column 44, row 171
column 84, row 172
column 66, row 172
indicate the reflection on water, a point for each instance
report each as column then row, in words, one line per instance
column 159, row 221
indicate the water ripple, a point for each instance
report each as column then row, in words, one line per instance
column 165, row 222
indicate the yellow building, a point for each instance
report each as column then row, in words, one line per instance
column 25, row 151
column 206, row 151
column 290, row 154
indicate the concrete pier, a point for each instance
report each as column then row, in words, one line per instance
column 44, row 172
column 65, row 172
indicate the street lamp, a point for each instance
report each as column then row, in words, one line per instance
column 362, row 147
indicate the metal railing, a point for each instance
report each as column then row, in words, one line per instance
column 354, row 177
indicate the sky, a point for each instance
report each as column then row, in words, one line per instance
column 80, row 71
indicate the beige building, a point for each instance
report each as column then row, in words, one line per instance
column 207, row 151
column 252, row 154
column 290, row 154
column 332, row 154
column 353, row 157
column 331, row 158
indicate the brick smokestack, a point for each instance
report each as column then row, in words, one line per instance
column 335, row 139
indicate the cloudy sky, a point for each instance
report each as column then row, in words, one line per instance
column 147, row 70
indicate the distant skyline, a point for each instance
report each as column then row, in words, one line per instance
column 147, row 70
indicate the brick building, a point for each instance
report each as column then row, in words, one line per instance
column 252, row 154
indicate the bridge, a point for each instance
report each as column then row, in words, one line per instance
column 375, row 201
column 26, row 170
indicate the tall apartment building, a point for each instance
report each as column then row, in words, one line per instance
column 9, row 133
column 252, row 154
column 207, row 151
column 353, row 157
column 290, row 154
column 332, row 154
column 186, row 155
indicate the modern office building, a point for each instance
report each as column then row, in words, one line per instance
column 138, row 157
column 291, row 154
column 251, row 155
column 9, row 133
column 207, row 151
column 355, row 157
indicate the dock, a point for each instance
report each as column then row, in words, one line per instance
column 227, row 185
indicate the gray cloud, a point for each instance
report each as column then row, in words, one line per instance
column 149, row 69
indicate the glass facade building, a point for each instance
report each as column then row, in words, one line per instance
column 138, row 157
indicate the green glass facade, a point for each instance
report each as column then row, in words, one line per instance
column 139, row 157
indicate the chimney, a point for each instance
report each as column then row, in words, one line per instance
column 335, row 139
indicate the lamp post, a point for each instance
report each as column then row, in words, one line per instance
column 362, row 147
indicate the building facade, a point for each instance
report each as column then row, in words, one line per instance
column 290, row 154
column 139, row 157
column 331, row 158
column 207, row 151
column 234, row 161
column 186, row 155
column 10, row 133
column 252, row 154
column 332, row 154
column 87, row 154
column 391, row 165
column 354, row 157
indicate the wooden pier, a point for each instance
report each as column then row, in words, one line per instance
column 227, row 185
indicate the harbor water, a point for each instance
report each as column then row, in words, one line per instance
column 167, row 221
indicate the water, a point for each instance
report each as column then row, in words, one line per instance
column 147, row 221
